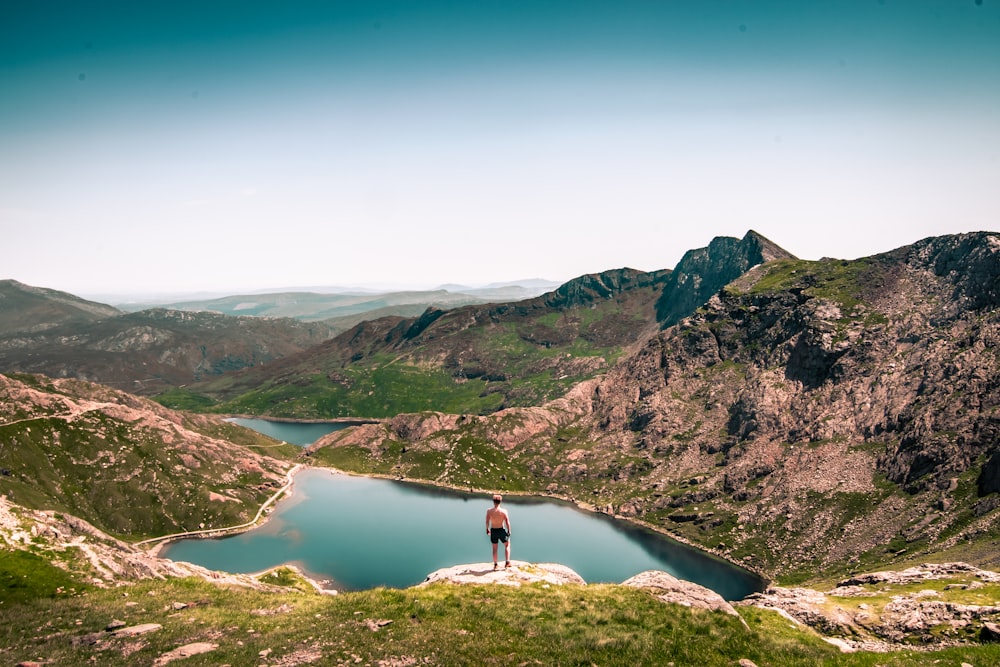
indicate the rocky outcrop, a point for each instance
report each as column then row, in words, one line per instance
column 517, row 574
column 704, row 271
column 866, row 612
column 665, row 587
column 668, row 588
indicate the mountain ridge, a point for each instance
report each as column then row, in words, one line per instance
column 812, row 414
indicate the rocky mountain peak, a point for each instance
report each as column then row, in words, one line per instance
column 704, row 271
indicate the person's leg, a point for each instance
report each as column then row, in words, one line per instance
column 506, row 551
column 494, row 554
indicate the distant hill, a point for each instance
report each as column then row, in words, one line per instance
column 476, row 358
column 340, row 308
column 154, row 350
column 27, row 309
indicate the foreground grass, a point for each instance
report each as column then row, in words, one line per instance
column 437, row 625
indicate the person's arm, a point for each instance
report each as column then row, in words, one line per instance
column 487, row 522
column 506, row 518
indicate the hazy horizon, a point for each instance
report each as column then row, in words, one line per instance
column 230, row 146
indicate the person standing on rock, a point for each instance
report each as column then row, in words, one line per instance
column 498, row 528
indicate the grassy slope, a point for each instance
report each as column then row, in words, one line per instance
column 134, row 478
column 538, row 357
column 441, row 624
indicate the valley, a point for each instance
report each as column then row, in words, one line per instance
column 810, row 420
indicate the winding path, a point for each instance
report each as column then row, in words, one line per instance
column 289, row 478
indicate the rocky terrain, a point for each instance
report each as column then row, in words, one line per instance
column 810, row 415
column 929, row 604
column 811, row 420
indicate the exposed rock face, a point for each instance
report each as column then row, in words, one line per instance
column 704, row 271
column 817, row 377
column 885, row 618
column 669, row 588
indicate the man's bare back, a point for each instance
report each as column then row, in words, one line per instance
column 496, row 517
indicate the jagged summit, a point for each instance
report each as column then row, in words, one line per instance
column 704, row 271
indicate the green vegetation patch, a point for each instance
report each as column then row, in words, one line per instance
column 383, row 388
column 178, row 398
column 842, row 281
column 25, row 576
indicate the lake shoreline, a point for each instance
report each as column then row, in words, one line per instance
column 580, row 505
column 349, row 421
column 288, row 492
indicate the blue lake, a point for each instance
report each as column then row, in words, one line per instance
column 295, row 433
column 360, row 532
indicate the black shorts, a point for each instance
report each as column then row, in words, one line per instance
column 498, row 535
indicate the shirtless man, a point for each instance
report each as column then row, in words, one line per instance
column 498, row 528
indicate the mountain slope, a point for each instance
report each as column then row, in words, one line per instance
column 26, row 309
column 811, row 415
column 468, row 359
column 479, row 359
column 128, row 465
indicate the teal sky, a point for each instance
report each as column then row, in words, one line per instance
column 229, row 146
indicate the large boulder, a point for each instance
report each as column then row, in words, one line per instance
column 669, row 588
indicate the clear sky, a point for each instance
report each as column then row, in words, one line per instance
column 233, row 145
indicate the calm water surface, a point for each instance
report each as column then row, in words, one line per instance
column 360, row 532
column 296, row 433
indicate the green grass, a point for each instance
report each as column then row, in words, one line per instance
column 121, row 477
column 178, row 398
column 25, row 576
column 377, row 390
column 528, row 362
column 440, row 624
